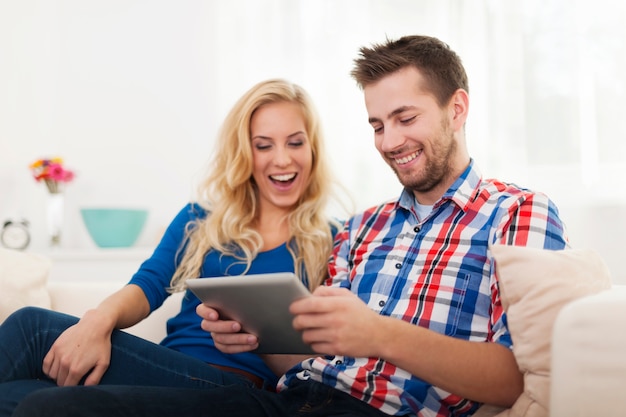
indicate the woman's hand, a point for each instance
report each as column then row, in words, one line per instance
column 226, row 334
column 82, row 350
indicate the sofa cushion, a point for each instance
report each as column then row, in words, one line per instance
column 23, row 279
column 535, row 284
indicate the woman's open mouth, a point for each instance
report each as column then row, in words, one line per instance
column 283, row 179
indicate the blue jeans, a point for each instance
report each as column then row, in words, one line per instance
column 27, row 335
column 304, row 398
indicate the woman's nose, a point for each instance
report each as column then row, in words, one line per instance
column 282, row 157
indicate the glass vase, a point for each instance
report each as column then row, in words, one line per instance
column 54, row 213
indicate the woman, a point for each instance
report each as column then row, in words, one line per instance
column 259, row 210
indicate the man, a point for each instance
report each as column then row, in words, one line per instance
column 411, row 318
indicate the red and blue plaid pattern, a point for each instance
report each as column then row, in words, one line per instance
column 435, row 272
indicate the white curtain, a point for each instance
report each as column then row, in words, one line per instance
column 132, row 92
column 556, row 82
column 547, row 80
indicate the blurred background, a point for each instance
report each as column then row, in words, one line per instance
column 131, row 93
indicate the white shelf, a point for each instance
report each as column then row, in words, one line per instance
column 100, row 264
column 99, row 254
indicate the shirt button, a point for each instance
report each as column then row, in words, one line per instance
column 381, row 303
column 398, row 265
column 338, row 362
column 416, row 229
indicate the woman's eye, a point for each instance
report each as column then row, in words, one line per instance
column 296, row 144
column 262, row 147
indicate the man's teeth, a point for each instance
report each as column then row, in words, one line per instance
column 284, row 177
column 407, row 158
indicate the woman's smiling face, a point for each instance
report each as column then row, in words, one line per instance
column 282, row 154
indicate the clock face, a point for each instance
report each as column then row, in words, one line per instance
column 14, row 236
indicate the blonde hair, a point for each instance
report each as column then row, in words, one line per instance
column 230, row 196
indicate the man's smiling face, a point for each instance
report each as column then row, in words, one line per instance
column 413, row 133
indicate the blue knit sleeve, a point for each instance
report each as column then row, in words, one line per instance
column 154, row 274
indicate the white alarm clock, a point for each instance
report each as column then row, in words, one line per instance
column 15, row 234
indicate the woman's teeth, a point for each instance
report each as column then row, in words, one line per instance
column 283, row 178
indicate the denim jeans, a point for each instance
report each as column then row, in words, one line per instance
column 27, row 335
column 304, row 398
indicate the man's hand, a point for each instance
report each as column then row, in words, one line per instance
column 82, row 350
column 336, row 321
column 226, row 334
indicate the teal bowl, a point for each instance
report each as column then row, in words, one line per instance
column 114, row 227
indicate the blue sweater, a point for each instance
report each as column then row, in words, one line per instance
column 183, row 330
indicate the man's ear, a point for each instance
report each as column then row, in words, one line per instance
column 458, row 108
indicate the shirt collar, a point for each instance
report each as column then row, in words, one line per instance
column 462, row 192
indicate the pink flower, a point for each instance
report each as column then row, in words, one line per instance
column 56, row 172
column 51, row 172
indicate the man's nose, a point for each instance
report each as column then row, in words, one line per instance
column 390, row 140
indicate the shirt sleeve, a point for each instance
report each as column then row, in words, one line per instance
column 533, row 221
column 338, row 265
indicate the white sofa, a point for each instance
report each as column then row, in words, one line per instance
column 589, row 356
column 77, row 297
column 561, row 301
column 588, row 350
column 24, row 281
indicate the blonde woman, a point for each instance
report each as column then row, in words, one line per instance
column 260, row 209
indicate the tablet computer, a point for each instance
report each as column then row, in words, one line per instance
column 260, row 302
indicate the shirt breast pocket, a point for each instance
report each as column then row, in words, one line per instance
column 440, row 302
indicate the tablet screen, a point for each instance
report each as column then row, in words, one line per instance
column 260, row 302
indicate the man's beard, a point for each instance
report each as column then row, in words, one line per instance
column 437, row 167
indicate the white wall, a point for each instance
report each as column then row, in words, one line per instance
column 131, row 93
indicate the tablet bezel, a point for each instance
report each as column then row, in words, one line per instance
column 260, row 302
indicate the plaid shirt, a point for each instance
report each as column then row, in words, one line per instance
column 437, row 273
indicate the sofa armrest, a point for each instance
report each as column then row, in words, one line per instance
column 588, row 356
column 76, row 297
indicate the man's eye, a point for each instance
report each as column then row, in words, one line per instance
column 409, row 120
column 378, row 129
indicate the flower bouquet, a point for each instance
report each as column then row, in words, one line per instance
column 52, row 173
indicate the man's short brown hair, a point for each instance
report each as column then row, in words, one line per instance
column 440, row 66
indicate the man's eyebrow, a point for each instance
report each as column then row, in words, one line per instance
column 395, row 112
